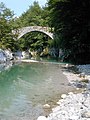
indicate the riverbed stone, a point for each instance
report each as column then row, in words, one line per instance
column 46, row 106
column 42, row 118
column 56, row 109
column 85, row 80
column 74, row 106
column 70, row 93
column 63, row 96
column 86, row 114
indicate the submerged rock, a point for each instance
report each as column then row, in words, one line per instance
column 46, row 106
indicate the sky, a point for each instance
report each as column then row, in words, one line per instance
column 20, row 6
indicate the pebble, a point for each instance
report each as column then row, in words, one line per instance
column 63, row 96
column 42, row 118
column 74, row 106
column 70, row 93
column 47, row 106
column 86, row 115
column 67, row 65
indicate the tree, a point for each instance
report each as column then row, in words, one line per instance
column 71, row 20
column 34, row 16
column 7, row 38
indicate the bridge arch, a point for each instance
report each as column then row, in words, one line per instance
column 28, row 29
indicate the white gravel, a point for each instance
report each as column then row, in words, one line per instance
column 73, row 106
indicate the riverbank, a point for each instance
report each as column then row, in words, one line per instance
column 74, row 106
column 31, row 86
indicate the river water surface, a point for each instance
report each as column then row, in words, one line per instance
column 26, row 87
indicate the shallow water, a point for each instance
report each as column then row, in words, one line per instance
column 26, row 87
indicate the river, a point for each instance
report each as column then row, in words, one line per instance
column 26, row 87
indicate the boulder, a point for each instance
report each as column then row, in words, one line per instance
column 3, row 57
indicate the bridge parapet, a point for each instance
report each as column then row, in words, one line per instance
column 46, row 29
column 24, row 30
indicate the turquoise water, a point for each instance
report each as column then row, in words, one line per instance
column 26, row 87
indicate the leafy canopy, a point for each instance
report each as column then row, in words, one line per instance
column 71, row 20
column 7, row 38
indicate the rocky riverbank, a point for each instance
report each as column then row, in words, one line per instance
column 74, row 106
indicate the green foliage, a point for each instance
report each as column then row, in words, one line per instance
column 7, row 38
column 34, row 16
column 34, row 41
column 71, row 20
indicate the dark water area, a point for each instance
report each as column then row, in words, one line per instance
column 26, row 87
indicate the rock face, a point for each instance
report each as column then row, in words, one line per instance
column 9, row 54
column 2, row 56
column 5, row 55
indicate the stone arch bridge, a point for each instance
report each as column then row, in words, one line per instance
column 25, row 30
